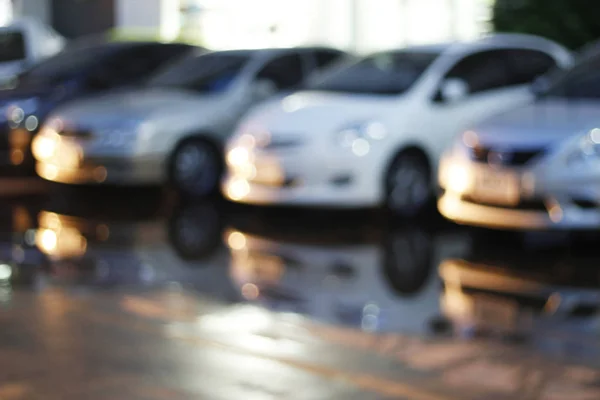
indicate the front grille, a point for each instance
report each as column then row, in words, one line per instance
column 527, row 205
column 504, row 157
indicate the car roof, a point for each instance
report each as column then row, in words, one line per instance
column 100, row 41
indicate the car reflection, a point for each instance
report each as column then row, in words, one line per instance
column 350, row 274
column 550, row 295
column 105, row 242
column 21, row 264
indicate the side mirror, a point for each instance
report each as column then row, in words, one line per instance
column 454, row 90
column 263, row 88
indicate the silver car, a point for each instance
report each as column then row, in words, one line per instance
column 535, row 167
column 172, row 129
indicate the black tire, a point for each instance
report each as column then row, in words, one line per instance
column 196, row 167
column 408, row 184
column 408, row 260
column 195, row 232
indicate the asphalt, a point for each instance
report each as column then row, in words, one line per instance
column 108, row 293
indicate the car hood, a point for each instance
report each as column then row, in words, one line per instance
column 136, row 104
column 307, row 111
column 542, row 123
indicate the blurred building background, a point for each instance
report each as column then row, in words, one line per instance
column 361, row 25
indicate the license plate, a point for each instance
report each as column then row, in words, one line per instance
column 268, row 172
column 497, row 187
column 495, row 313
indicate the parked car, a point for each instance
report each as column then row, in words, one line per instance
column 23, row 44
column 371, row 132
column 172, row 129
column 533, row 167
column 84, row 68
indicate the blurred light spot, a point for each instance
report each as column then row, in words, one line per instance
column 5, row 272
column 470, row 139
column 45, row 145
column 556, row 213
column 48, row 240
column 17, row 115
column 595, row 135
column 369, row 323
column 553, row 303
column 238, row 156
column 376, row 130
column 31, row 123
column 250, row 291
column 247, row 140
column 458, row 179
column 100, row 174
column 236, row 240
column 371, row 309
column 293, row 103
column 361, row 147
column 16, row 157
column 238, row 189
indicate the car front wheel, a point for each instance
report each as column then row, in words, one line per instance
column 408, row 184
column 196, row 167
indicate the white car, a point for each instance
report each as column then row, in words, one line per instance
column 173, row 128
column 24, row 43
column 534, row 167
column 371, row 132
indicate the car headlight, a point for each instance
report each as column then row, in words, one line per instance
column 587, row 149
column 359, row 136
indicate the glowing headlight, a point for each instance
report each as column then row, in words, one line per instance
column 45, row 144
column 588, row 148
column 358, row 137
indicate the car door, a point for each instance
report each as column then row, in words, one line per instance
column 496, row 81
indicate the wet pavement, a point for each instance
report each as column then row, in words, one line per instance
column 137, row 294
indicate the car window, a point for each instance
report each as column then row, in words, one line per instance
column 325, row 57
column 65, row 64
column 482, row 71
column 580, row 82
column 132, row 65
column 527, row 65
column 207, row 73
column 385, row 73
column 285, row 71
column 12, row 46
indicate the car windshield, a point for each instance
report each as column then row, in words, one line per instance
column 386, row 73
column 580, row 82
column 12, row 46
column 207, row 73
column 65, row 64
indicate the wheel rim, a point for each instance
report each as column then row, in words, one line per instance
column 195, row 168
column 408, row 185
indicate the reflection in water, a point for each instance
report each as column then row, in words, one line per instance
column 92, row 242
column 549, row 295
column 375, row 280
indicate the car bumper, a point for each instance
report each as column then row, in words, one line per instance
column 105, row 171
column 311, row 178
column 543, row 204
